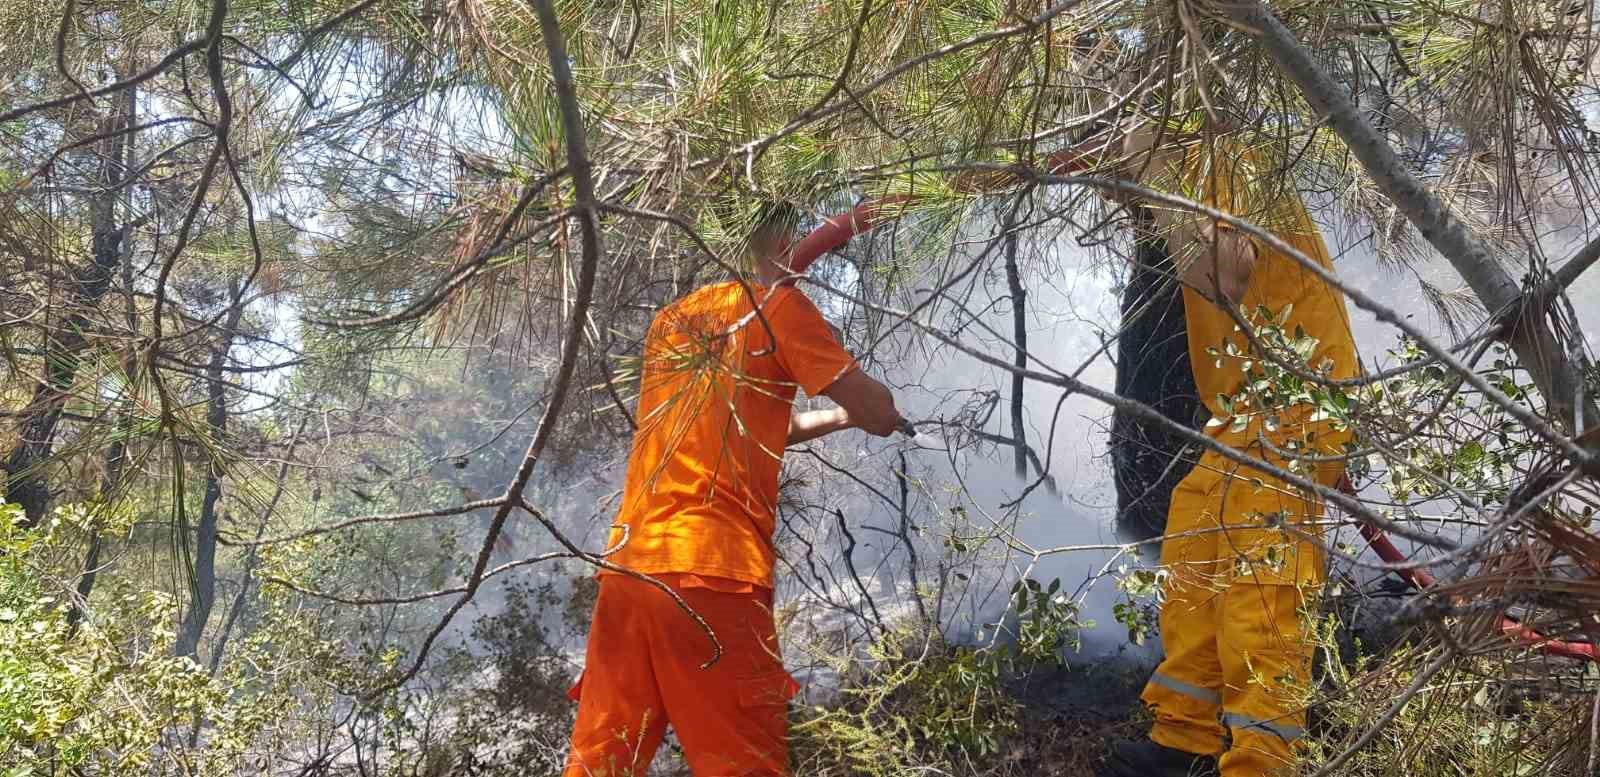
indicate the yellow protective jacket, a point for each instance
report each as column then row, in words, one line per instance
column 1239, row 182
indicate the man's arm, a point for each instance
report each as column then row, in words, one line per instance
column 809, row 350
column 867, row 405
column 812, row 424
column 1210, row 259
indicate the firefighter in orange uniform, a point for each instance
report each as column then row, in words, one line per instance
column 1226, row 696
column 698, row 511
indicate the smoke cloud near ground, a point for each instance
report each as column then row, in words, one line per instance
column 844, row 492
column 1072, row 306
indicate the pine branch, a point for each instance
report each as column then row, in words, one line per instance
column 1558, row 375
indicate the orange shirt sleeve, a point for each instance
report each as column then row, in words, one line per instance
column 806, row 347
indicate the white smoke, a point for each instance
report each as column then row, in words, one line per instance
column 1073, row 311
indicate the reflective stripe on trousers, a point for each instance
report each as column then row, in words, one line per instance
column 1232, row 720
column 1192, row 691
column 1284, row 731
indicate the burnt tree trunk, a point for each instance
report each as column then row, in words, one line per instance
column 1153, row 367
column 26, row 484
column 1019, row 335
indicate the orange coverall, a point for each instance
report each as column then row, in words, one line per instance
column 1231, row 621
column 699, row 511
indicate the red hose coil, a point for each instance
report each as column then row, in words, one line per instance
column 1419, row 578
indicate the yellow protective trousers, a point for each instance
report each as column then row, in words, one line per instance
column 1238, row 584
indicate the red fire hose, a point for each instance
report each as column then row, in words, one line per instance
column 837, row 230
column 1421, row 580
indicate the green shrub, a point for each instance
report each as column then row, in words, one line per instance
column 917, row 702
column 110, row 698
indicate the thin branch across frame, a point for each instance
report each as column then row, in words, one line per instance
column 587, row 212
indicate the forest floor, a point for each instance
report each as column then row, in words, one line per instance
column 1070, row 719
column 1075, row 714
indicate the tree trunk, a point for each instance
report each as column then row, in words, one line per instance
column 203, row 594
column 252, row 556
column 1148, row 460
column 26, row 483
column 1557, row 371
column 116, row 455
column 1019, row 336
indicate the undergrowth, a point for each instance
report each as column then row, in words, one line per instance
column 1477, row 716
column 916, row 703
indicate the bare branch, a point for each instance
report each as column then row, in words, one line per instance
column 588, row 216
column 214, row 27
column 465, row 507
column 320, row 30
column 134, row 80
column 373, row 601
column 99, row 136
column 1568, row 272
column 68, row 13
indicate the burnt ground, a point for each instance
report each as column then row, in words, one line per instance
column 1075, row 714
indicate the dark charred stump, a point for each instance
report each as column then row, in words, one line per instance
column 1153, row 368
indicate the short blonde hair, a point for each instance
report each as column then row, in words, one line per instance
column 773, row 218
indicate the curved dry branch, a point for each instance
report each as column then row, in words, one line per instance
column 320, row 30
column 213, row 44
column 69, row 12
column 588, row 216
column 359, row 601
column 142, row 76
column 465, row 507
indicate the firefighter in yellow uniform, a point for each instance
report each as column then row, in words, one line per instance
column 1240, row 577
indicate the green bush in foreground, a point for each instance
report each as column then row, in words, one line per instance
column 109, row 698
